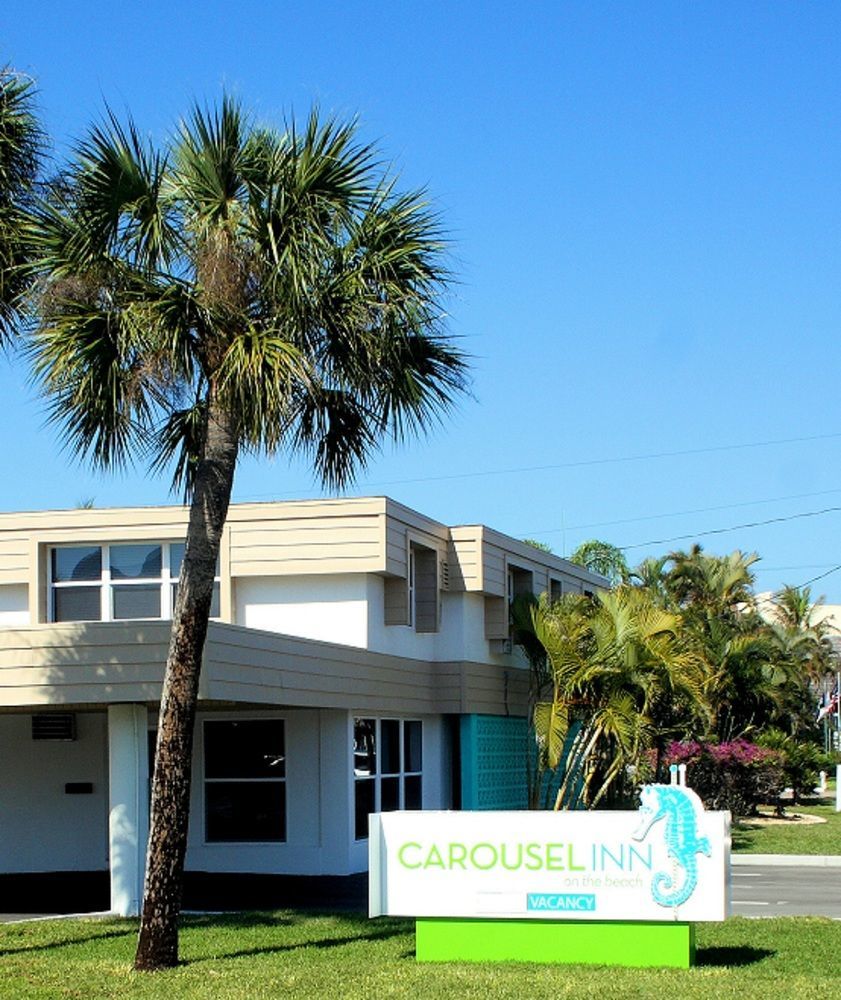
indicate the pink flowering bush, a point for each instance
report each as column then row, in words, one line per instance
column 737, row 775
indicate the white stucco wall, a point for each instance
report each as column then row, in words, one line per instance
column 350, row 609
column 319, row 797
column 42, row 829
column 330, row 608
column 316, row 830
column 460, row 636
column 14, row 604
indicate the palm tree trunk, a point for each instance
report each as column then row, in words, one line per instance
column 157, row 946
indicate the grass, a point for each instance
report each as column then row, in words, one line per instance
column 792, row 837
column 280, row 954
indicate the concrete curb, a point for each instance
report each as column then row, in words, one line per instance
column 787, row 860
column 23, row 918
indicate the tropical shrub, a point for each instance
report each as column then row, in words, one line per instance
column 737, row 775
column 802, row 760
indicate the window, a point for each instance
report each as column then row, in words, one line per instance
column 244, row 781
column 117, row 582
column 414, row 600
column 387, row 766
column 423, row 588
column 176, row 557
column 519, row 582
column 556, row 590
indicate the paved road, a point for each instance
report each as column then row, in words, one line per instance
column 778, row 891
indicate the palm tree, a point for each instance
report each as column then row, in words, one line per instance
column 650, row 575
column 721, row 585
column 603, row 558
column 20, row 150
column 620, row 681
column 240, row 290
column 804, row 647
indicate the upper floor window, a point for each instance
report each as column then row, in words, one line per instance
column 520, row 581
column 415, row 600
column 137, row 580
column 423, row 588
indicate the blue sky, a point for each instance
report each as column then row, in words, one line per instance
column 645, row 207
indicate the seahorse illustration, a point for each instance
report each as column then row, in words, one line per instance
column 679, row 806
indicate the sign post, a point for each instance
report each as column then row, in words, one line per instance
column 616, row 888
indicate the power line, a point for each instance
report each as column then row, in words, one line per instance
column 681, row 513
column 815, row 579
column 735, row 527
column 789, row 569
column 580, row 464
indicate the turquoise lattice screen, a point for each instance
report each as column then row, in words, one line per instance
column 493, row 762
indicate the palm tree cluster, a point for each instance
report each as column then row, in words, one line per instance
column 682, row 650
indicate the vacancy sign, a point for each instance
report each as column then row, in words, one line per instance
column 669, row 861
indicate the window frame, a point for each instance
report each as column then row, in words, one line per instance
column 423, row 576
column 205, row 781
column 107, row 583
column 376, row 779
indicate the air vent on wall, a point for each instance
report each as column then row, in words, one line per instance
column 54, row 726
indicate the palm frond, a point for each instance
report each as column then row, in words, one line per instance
column 180, row 440
column 117, row 184
column 209, row 160
column 551, row 727
column 93, row 378
column 336, row 430
column 21, row 148
column 258, row 376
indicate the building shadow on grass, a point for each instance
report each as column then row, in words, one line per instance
column 371, row 934
column 241, row 921
column 733, row 956
column 69, row 942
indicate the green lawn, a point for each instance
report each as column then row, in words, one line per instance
column 792, row 837
column 285, row 954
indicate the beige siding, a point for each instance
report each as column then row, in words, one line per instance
column 367, row 535
column 405, row 526
column 14, row 558
column 396, row 601
column 397, row 548
column 496, row 618
column 318, row 544
column 493, row 559
column 434, row 532
column 107, row 663
column 540, row 579
column 314, row 674
column 74, row 664
column 261, row 540
column 540, row 563
column 494, row 691
column 465, row 558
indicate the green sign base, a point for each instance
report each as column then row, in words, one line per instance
column 584, row 942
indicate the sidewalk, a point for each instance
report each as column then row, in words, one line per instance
column 788, row 860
